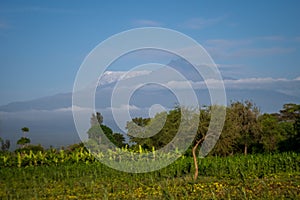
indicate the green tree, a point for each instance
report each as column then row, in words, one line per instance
column 248, row 129
column 119, row 140
column 5, row 144
column 25, row 130
column 272, row 133
column 100, row 134
column 297, row 136
column 191, row 124
column 96, row 133
column 290, row 112
column 204, row 119
column 156, row 132
column 96, row 119
column 136, row 128
column 289, row 118
column 23, row 141
column 228, row 141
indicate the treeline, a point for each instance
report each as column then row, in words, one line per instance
column 246, row 130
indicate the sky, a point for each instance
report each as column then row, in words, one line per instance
column 43, row 43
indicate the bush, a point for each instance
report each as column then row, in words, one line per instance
column 28, row 148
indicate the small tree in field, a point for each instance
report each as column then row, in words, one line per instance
column 202, row 129
column 211, row 121
column 25, row 130
column 5, row 144
column 23, row 141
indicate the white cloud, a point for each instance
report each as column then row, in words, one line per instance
column 180, row 84
column 297, row 79
column 275, row 84
column 124, row 107
column 74, row 108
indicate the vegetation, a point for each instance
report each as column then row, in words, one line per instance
column 4, row 145
column 256, row 157
column 246, row 130
column 23, row 141
column 70, row 175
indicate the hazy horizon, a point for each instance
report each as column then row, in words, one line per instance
column 255, row 46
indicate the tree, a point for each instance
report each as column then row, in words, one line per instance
column 272, row 133
column 135, row 128
column 97, row 132
column 297, row 136
column 96, row 119
column 156, row 132
column 290, row 112
column 25, row 130
column 23, row 141
column 289, row 119
column 192, row 125
column 119, row 140
column 246, row 114
column 204, row 119
column 227, row 143
column 5, row 144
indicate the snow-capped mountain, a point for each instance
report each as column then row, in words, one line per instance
column 114, row 76
column 51, row 122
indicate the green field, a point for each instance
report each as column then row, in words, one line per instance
column 272, row 176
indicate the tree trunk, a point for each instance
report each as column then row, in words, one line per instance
column 195, row 158
column 245, row 149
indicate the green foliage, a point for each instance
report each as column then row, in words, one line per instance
column 289, row 118
column 100, row 134
column 25, row 129
column 161, row 130
column 245, row 115
column 23, row 141
column 119, row 140
column 75, row 147
column 272, row 132
column 290, row 112
column 28, row 148
column 253, row 176
column 96, row 119
column 245, row 129
column 297, row 136
column 228, row 141
column 74, row 173
column 4, row 144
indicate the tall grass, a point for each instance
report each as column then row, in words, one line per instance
column 76, row 175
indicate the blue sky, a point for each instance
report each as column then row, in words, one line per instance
column 43, row 43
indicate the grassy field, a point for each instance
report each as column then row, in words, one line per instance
column 274, row 176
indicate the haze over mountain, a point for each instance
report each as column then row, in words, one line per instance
column 42, row 51
column 261, row 91
column 51, row 122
